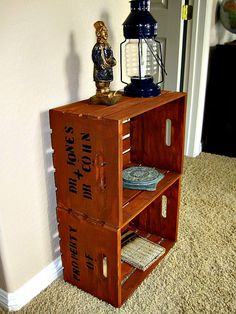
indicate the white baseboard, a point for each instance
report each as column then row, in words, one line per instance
column 14, row 301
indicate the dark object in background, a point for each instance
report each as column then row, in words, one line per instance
column 219, row 125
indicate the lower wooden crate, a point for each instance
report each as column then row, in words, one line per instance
column 91, row 250
column 86, row 247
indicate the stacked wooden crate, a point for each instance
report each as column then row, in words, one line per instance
column 92, row 145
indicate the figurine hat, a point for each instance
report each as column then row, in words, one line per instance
column 98, row 25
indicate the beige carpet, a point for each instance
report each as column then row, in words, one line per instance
column 198, row 275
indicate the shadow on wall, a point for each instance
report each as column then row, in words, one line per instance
column 50, row 183
column 72, row 70
column 72, row 74
column 3, row 284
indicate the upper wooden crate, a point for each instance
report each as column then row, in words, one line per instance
column 92, row 144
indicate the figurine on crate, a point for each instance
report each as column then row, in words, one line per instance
column 104, row 61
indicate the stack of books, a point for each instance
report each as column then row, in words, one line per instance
column 141, row 178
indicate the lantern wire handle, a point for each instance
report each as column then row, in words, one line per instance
column 158, row 59
column 163, row 70
column 140, row 52
column 121, row 62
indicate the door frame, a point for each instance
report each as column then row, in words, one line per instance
column 196, row 74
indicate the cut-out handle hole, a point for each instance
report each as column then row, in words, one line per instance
column 104, row 266
column 164, row 206
column 168, row 132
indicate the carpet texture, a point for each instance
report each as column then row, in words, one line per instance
column 198, row 275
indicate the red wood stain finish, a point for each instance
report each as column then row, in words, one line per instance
column 84, row 244
column 92, row 145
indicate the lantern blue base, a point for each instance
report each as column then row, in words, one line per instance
column 142, row 88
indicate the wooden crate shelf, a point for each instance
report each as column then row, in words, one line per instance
column 92, row 145
column 127, row 270
column 135, row 201
column 84, row 243
column 132, row 275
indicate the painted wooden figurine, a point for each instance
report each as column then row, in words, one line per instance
column 104, row 61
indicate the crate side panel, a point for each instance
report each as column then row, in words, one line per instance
column 169, row 224
column 155, row 220
column 148, row 137
column 84, row 246
column 87, row 158
column 149, row 220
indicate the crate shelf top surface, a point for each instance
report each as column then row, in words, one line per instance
column 127, row 108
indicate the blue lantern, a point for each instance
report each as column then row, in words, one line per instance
column 140, row 52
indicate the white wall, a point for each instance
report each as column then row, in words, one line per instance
column 45, row 61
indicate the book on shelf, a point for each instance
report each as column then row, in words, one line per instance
column 138, row 251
